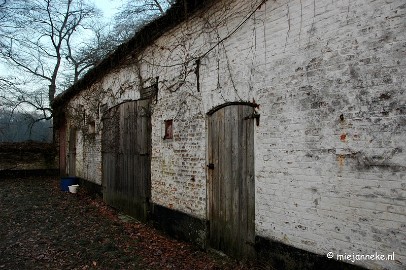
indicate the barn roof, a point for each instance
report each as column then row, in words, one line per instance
column 178, row 13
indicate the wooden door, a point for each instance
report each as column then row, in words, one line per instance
column 231, row 180
column 72, row 152
column 126, row 147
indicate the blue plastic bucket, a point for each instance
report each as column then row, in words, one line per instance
column 68, row 181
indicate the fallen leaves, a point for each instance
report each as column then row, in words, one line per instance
column 43, row 227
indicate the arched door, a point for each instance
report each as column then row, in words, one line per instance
column 231, row 180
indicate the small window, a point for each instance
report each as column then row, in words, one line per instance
column 92, row 127
column 168, row 129
column 102, row 109
column 149, row 92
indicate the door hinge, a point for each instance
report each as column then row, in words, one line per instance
column 255, row 116
column 210, row 166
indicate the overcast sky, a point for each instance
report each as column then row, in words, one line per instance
column 109, row 7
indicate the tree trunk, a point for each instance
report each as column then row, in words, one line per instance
column 51, row 92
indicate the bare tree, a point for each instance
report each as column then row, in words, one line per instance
column 135, row 13
column 48, row 44
column 91, row 51
column 34, row 34
column 148, row 6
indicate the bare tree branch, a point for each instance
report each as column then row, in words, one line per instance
column 39, row 31
column 135, row 13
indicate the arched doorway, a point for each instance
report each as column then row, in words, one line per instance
column 231, row 186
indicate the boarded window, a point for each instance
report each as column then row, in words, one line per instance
column 149, row 92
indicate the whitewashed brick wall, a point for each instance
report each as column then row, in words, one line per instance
column 330, row 147
column 82, row 110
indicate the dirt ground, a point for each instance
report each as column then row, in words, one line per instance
column 42, row 227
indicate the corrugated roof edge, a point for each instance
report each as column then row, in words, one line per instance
column 178, row 13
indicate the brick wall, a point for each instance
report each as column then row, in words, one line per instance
column 329, row 160
column 83, row 114
column 329, row 150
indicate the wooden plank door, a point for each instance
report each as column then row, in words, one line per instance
column 126, row 150
column 231, row 180
column 110, row 138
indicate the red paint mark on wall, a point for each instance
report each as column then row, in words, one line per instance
column 343, row 137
